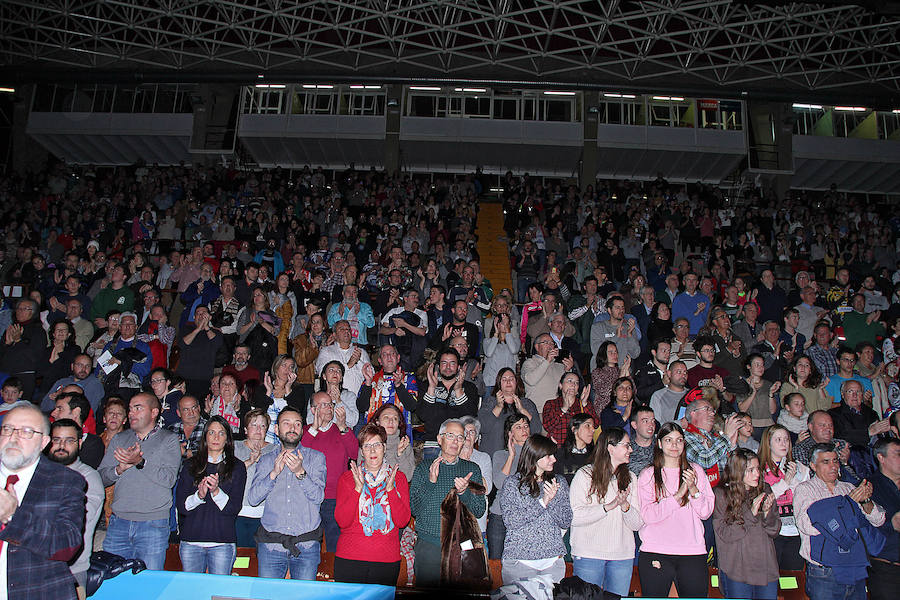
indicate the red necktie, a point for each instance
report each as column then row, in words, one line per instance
column 10, row 480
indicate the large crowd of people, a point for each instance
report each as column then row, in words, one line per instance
column 301, row 361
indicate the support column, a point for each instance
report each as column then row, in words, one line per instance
column 589, row 152
column 771, row 143
column 27, row 153
column 392, row 162
column 215, row 122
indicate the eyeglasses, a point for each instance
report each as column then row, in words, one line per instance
column 157, row 380
column 24, row 433
column 372, row 446
column 454, row 436
column 67, row 441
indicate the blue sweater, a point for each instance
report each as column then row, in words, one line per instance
column 532, row 530
column 208, row 522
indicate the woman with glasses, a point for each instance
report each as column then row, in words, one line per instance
column 209, row 494
column 398, row 450
column 675, row 497
column 250, row 450
column 535, row 506
column 279, row 390
column 605, row 515
column 372, row 506
column 229, row 404
column 506, row 397
column 162, row 385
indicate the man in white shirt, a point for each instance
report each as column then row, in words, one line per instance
column 343, row 350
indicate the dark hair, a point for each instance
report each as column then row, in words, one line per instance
column 578, row 419
column 601, row 354
column 654, row 345
column 602, row 472
column 371, row 429
column 520, row 388
column 639, row 408
column 401, row 425
column 511, row 420
column 736, row 493
column 324, row 386
column 535, row 448
column 14, row 382
column 77, row 400
column 880, row 448
column 66, row 423
column 749, row 360
column 659, row 461
column 844, row 350
column 71, row 339
column 815, row 376
column 198, row 462
column 703, row 340
column 615, row 386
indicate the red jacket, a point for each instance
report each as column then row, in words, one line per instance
column 379, row 547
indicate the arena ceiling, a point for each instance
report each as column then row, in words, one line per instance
column 776, row 50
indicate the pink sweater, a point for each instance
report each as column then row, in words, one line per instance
column 668, row 527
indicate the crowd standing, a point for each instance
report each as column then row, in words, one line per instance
column 300, row 361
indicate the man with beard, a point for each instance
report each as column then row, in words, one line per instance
column 241, row 369
column 291, row 481
column 74, row 406
column 142, row 462
column 448, row 396
column 41, row 511
column 65, row 445
column 83, row 377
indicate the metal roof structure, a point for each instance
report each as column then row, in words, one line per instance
column 776, row 50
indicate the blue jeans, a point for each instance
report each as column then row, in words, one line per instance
column 275, row 561
column 611, row 575
column 735, row 589
column 820, row 585
column 330, row 529
column 218, row 560
column 146, row 540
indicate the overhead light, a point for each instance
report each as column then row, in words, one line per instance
column 850, row 108
column 260, row 76
column 614, row 95
column 365, row 87
column 559, row 93
column 270, row 86
column 808, row 106
column 896, row 111
column 309, row 86
column 472, row 90
column 424, row 88
column 672, row 98
column 7, row 90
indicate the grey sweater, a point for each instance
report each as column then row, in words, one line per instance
column 533, row 531
column 143, row 494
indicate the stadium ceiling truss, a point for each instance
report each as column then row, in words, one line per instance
column 798, row 50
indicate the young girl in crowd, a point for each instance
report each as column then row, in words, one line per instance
column 535, row 505
column 746, row 521
column 675, row 498
column 783, row 475
column 605, row 515
column 794, row 416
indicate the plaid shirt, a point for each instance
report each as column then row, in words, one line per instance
column 335, row 279
column 824, row 359
column 803, row 450
column 712, row 458
column 192, row 444
column 556, row 422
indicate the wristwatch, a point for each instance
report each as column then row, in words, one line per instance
column 141, row 464
column 695, row 496
column 300, row 477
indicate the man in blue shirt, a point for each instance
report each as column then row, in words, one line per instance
column 291, row 481
column 691, row 304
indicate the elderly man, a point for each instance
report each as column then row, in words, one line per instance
column 853, row 420
column 189, row 426
column 84, row 329
column 884, row 570
column 42, row 508
column 561, row 332
column 129, row 369
column 65, row 445
column 358, row 314
column 330, row 434
column 691, row 304
column 406, row 328
column 817, row 522
column 821, row 431
column 705, row 446
column 769, row 296
column 809, row 313
column 390, row 385
column 23, row 346
column 142, row 463
column 347, row 353
column 822, row 351
column 770, row 347
column 542, row 373
column 616, row 329
column 83, row 377
column 291, row 481
column 431, row 481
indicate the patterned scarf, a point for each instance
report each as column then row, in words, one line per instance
column 227, row 412
column 384, row 392
column 374, row 508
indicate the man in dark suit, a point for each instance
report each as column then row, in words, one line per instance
column 41, row 511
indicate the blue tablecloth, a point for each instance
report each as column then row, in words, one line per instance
column 193, row 586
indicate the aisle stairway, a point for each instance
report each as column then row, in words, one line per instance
column 492, row 246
